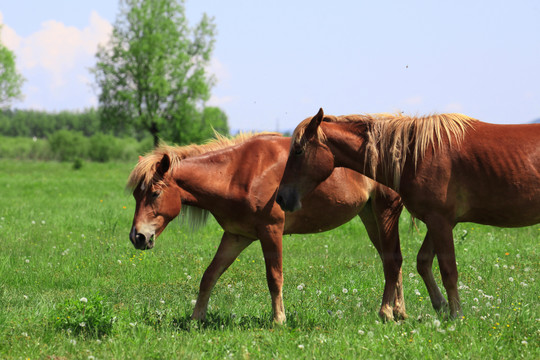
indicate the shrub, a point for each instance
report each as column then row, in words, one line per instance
column 68, row 145
column 103, row 148
column 90, row 316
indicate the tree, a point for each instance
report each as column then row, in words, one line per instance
column 10, row 80
column 152, row 74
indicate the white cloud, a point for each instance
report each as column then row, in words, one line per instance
column 219, row 100
column 56, row 55
column 219, row 70
column 453, row 107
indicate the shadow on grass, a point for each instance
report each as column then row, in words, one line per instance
column 232, row 321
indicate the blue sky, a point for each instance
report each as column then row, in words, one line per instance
column 278, row 61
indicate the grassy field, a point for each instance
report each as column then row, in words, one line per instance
column 73, row 287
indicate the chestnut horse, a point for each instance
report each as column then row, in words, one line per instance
column 448, row 168
column 237, row 180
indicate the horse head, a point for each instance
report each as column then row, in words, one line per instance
column 310, row 162
column 157, row 200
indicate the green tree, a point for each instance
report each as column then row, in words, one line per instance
column 152, row 73
column 10, row 80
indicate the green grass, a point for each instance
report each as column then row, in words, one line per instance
column 64, row 237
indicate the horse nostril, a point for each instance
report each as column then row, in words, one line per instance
column 279, row 200
column 140, row 238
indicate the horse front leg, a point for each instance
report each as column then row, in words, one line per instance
column 424, row 266
column 230, row 247
column 443, row 244
column 271, row 238
column 381, row 218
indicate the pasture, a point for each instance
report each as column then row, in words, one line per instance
column 72, row 286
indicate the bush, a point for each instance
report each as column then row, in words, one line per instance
column 89, row 316
column 68, row 145
column 103, row 148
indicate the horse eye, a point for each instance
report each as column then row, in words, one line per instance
column 298, row 151
column 155, row 194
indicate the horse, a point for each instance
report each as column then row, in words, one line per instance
column 447, row 168
column 236, row 180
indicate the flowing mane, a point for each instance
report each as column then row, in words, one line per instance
column 392, row 137
column 144, row 173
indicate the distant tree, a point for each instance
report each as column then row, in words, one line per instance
column 10, row 80
column 152, row 75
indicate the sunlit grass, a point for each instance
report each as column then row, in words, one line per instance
column 64, row 236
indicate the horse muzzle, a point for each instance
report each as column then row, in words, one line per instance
column 288, row 199
column 141, row 240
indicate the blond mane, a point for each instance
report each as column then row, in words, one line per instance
column 391, row 138
column 144, row 173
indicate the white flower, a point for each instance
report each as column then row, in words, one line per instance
column 301, row 346
column 436, row 323
column 73, row 341
column 82, row 324
column 318, row 292
column 345, row 291
column 25, row 334
column 83, row 299
column 133, row 324
column 300, row 287
column 193, row 302
column 354, row 291
column 480, row 278
column 361, row 332
column 25, row 297
column 27, row 261
column 417, row 292
column 524, row 342
column 119, row 261
column 162, row 301
column 511, row 279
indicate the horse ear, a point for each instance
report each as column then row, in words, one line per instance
column 163, row 165
column 311, row 129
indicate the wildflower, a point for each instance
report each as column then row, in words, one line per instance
column 318, row 292
column 361, row 332
column 354, row 291
column 42, row 222
column 133, row 324
column 162, row 301
column 82, row 324
column 25, row 297
column 33, row 222
column 416, row 292
column 524, row 342
column 436, row 323
column 301, row 347
column 480, row 278
column 193, row 302
column 73, row 341
column 83, row 299
column 119, row 261
column 511, row 279
column 27, row 261
column 300, row 287
column 345, row 291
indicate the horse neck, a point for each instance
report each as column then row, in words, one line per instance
column 351, row 151
column 201, row 181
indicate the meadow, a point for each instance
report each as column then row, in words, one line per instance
column 73, row 287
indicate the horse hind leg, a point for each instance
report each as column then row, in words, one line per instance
column 230, row 247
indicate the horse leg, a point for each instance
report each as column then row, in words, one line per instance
column 381, row 217
column 230, row 247
column 443, row 244
column 271, row 242
column 424, row 264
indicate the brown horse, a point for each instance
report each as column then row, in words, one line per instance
column 237, row 180
column 447, row 168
